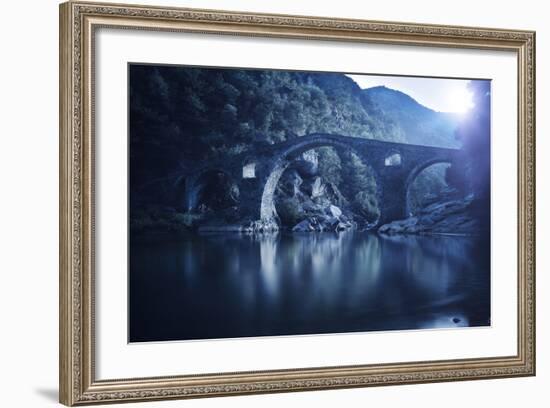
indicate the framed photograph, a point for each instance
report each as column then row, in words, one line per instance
column 256, row 203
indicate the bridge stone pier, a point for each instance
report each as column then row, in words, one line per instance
column 395, row 167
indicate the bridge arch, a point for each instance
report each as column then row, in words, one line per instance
column 416, row 171
column 197, row 188
column 256, row 175
column 291, row 152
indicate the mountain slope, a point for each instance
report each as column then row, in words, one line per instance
column 413, row 122
column 179, row 114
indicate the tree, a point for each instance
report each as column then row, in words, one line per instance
column 360, row 186
column 330, row 165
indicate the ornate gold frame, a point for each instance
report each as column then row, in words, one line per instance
column 78, row 21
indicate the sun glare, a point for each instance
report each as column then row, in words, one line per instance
column 460, row 101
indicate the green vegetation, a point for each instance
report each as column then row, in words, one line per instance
column 427, row 186
column 179, row 114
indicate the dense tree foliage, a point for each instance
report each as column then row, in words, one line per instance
column 180, row 114
column 360, row 187
column 430, row 183
column 179, row 111
column 402, row 119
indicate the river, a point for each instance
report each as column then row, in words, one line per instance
column 231, row 285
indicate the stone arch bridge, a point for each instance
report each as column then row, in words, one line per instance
column 256, row 175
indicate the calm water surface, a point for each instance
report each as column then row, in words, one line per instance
column 230, row 285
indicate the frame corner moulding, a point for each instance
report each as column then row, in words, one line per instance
column 78, row 24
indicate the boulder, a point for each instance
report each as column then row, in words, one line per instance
column 260, row 226
column 342, row 226
column 441, row 217
column 314, row 187
column 322, row 223
column 332, row 222
column 308, row 164
column 335, row 211
column 303, row 226
column 290, row 184
column 333, row 194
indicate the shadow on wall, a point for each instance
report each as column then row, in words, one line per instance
column 50, row 394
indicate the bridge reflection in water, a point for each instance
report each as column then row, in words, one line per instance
column 230, row 285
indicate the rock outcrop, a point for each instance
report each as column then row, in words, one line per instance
column 306, row 202
column 444, row 216
column 324, row 222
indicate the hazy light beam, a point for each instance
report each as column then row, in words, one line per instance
column 438, row 94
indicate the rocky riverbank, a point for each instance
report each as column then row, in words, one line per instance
column 446, row 215
column 306, row 202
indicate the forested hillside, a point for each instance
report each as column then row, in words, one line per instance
column 183, row 114
column 177, row 111
column 407, row 121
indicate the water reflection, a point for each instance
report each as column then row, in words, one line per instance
column 229, row 285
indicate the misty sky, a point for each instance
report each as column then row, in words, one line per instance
column 443, row 95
